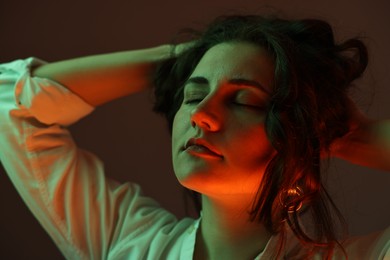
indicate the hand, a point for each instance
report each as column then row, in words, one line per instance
column 182, row 47
column 367, row 143
column 357, row 119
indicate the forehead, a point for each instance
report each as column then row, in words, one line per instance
column 236, row 60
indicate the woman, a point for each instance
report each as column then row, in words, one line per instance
column 253, row 105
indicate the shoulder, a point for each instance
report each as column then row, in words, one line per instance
column 372, row 246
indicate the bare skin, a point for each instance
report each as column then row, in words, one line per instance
column 223, row 105
column 367, row 143
column 225, row 232
column 98, row 79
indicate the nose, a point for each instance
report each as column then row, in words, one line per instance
column 206, row 116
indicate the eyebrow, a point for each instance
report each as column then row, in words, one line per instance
column 234, row 81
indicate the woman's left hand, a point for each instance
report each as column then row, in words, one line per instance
column 367, row 143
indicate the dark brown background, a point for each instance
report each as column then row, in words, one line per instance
column 132, row 141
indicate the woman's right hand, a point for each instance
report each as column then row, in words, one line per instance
column 182, row 47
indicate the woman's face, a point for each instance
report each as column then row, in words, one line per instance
column 219, row 144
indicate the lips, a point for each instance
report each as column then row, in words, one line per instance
column 202, row 147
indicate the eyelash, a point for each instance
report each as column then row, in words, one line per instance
column 248, row 106
column 191, row 101
column 198, row 100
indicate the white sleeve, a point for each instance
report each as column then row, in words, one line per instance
column 44, row 99
column 87, row 216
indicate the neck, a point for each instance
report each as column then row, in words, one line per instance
column 226, row 232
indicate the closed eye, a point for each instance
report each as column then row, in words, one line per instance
column 248, row 99
column 193, row 101
column 250, row 106
column 194, row 97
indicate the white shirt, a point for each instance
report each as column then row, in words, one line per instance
column 87, row 215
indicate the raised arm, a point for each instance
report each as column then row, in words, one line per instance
column 87, row 215
column 367, row 143
column 101, row 78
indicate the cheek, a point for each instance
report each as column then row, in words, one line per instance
column 178, row 124
column 180, row 127
column 261, row 146
column 253, row 148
